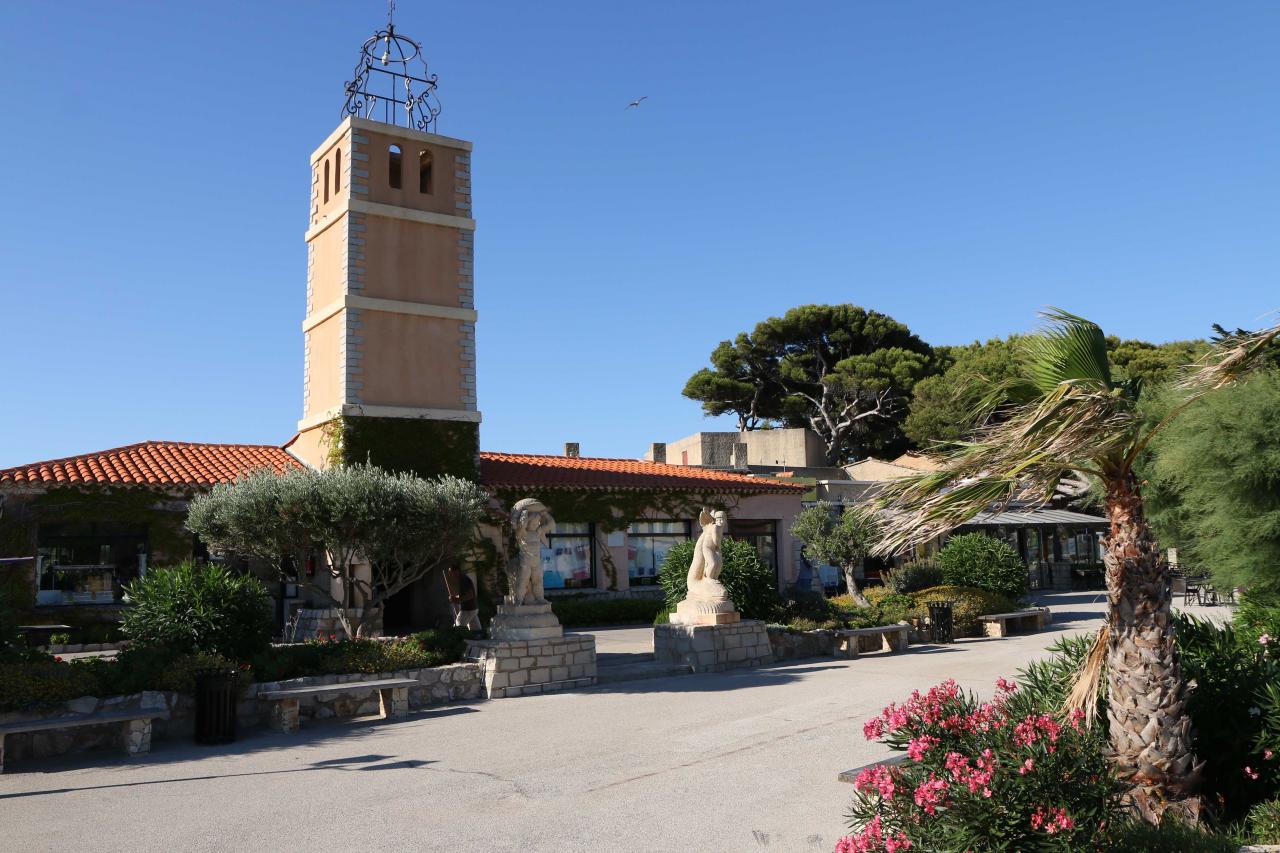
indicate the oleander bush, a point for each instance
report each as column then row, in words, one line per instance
column 912, row 577
column 589, row 610
column 978, row 560
column 968, row 604
column 981, row 776
column 750, row 583
column 199, row 608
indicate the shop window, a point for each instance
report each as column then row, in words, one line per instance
column 87, row 563
column 394, row 167
column 762, row 535
column 569, row 559
column 424, row 172
column 647, row 545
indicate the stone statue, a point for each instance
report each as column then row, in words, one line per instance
column 707, row 601
column 707, row 560
column 531, row 522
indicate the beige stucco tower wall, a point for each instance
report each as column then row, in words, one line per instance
column 390, row 315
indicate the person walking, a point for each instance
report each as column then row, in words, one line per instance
column 462, row 595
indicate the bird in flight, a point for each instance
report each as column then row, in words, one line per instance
column 637, row 101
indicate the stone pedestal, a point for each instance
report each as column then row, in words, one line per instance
column 525, row 622
column 527, row 667
column 713, row 648
column 707, row 603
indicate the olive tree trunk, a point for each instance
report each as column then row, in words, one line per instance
column 1147, row 697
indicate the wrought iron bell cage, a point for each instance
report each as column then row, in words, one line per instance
column 391, row 82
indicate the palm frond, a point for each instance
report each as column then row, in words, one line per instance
column 1076, row 422
column 1230, row 360
column 1067, row 348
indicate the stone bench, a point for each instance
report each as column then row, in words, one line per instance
column 851, row 776
column 893, row 638
column 393, row 693
column 1000, row 624
column 136, row 727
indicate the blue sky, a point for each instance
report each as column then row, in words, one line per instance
column 956, row 165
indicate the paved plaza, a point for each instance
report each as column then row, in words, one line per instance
column 735, row 761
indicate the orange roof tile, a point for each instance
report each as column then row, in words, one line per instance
column 154, row 463
column 521, row 470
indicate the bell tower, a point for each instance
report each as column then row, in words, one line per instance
column 389, row 332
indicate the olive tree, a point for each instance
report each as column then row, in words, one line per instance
column 841, row 539
column 401, row 526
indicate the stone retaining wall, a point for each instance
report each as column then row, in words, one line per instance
column 788, row 644
column 454, row 683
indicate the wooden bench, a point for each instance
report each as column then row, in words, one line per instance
column 393, row 694
column 136, row 727
column 893, row 638
column 1000, row 624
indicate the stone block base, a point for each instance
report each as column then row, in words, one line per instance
column 713, row 648
column 525, row 622
column 528, row 667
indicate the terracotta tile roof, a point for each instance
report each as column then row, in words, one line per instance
column 520, row 470
column 154, row 463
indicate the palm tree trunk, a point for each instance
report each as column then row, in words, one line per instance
column 1147, row 697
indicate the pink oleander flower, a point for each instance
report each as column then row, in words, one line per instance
column 1266, row 753
column 873, row 729
column 878, row 778
column 873, row 840
column 1251, row 773
column 918, row 746
column 1027, row 767
column 1052, row 821
column 1075, row 718
column 976, row 777
column 930, row 794
column 1033, row 727
column 1005, row 686
column 1264, row 639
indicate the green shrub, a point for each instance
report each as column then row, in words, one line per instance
column 1264, row 823
column 24, row 684
column 969, row 604
column 978, row 560
column 60, row 639
column 912, row 577
column 141, row 668
column 205, row 608
column 1230, row 708
column 750, row 583
column 447, row 645
column 1170, row 837
column 589, row 610
column 1229, row 674
column 339, row 657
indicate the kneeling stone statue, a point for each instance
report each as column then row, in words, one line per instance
column 525, row 613
column 707, row 601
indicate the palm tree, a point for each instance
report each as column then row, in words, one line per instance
column 1069, row 416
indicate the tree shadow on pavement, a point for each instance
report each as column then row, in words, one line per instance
column 175, row 750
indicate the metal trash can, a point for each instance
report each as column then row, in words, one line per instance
column 216, row 694
column 942, row 618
